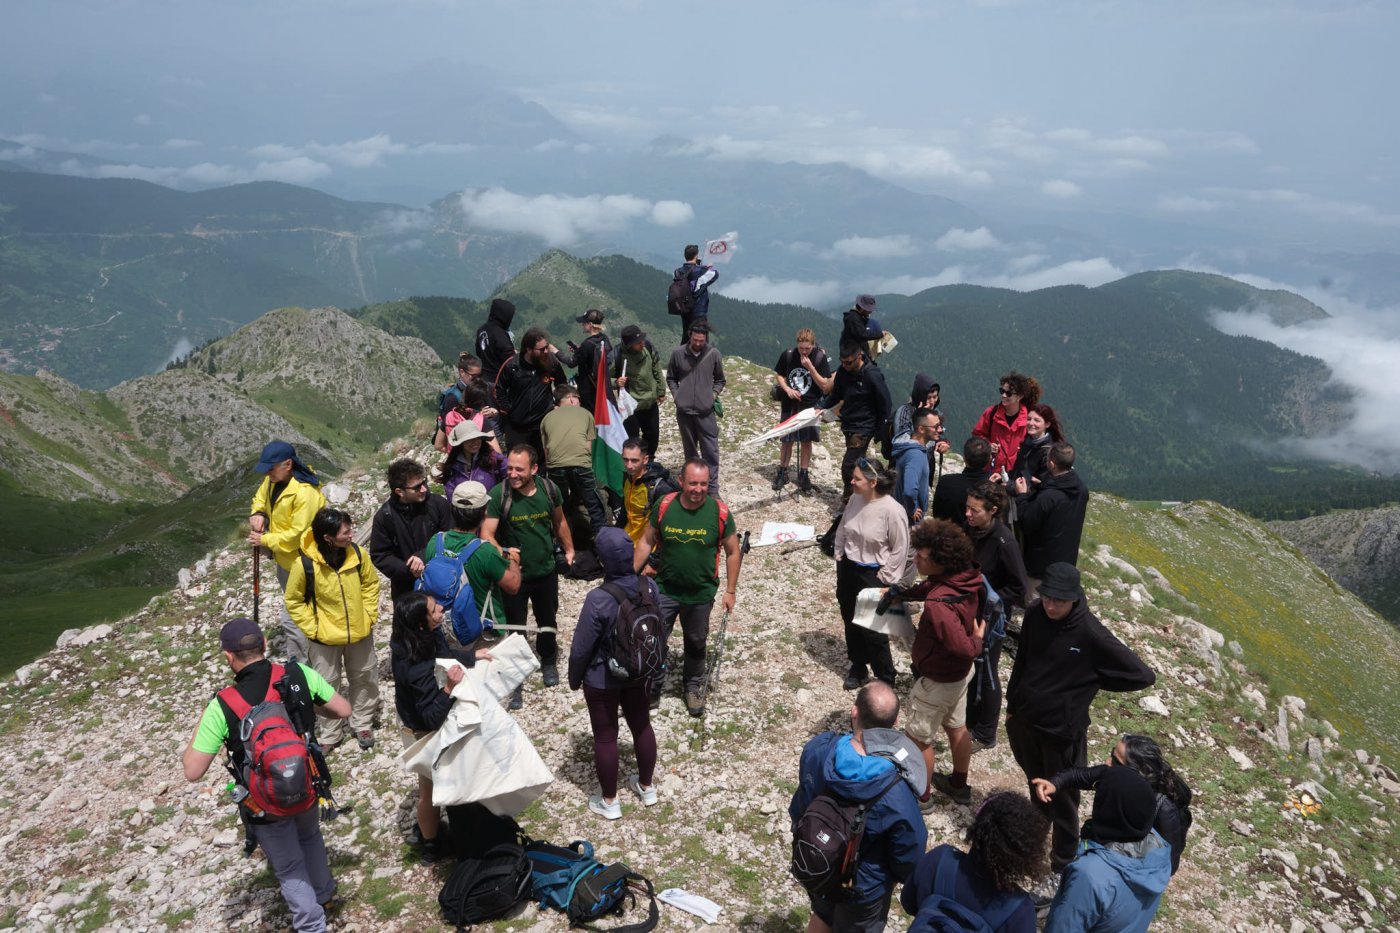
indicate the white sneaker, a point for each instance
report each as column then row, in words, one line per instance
column 608, row 811
column 648, row 794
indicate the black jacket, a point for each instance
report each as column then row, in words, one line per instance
column 867, row 409
column 950, row 496
column 1051, row 518
column 858, row 328
column 400, row 531
column 1033, row 459
column 493, row 343
column 585, row 360
column 1000, row 559
column 1173, row 818
column 421, row 704
column 525, row 394
column 1061, row 666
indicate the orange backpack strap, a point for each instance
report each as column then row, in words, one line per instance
column 666, row 501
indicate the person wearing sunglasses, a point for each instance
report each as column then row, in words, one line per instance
column 1003, row 424
column 859, row 394
column 404, row 523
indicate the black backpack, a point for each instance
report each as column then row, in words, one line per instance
column 826, row 843
column 680, row 297
column 486, row 888
column 635, row 650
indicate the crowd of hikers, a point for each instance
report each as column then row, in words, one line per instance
column 985, row 558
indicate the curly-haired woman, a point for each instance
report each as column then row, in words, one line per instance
column 1004, row 423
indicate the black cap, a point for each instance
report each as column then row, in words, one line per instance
column 240, row 634
column 1125, row 806
column 591, row 316
column 1061, row 581
column 632, row 334
column 866, row 303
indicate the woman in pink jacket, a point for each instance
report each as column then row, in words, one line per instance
column 1004, row 424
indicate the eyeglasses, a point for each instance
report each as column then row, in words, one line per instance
column 850, row 361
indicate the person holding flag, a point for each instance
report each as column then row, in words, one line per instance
column 586, row 357
column 639, row 370
column 689, row 295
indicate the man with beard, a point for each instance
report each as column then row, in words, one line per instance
column 525, row 389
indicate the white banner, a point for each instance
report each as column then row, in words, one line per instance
column 721, row 250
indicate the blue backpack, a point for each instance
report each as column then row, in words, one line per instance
column 573, row 881
column 939, row 913
column 445, row 579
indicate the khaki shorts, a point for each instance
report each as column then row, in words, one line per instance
column 933, row 704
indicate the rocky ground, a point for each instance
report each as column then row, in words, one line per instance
column 102, row 832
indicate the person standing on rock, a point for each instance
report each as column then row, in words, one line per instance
column 527, row 512
column 603, row 691
column 872, row 544
column 876, row 764
column 404, row 523
column 494, row 344
column 525, row 389
column 644, row 482
column 800, row 374
column 293, row 845
column 637, row 368
column 695, row 377
column 859, row 392
column 688, row 530
column 568, row 433
column 589, row 359
column 1065, row 658
column 286, row 501
column 333, row 595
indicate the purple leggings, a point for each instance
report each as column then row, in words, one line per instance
column 602, row 713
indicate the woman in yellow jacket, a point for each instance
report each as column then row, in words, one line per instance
column 283, row 507
column 333, row 596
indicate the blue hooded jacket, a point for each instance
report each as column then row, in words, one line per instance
column 895, row 835
column 1112, row 888
column 911, row 460
column 587, row 663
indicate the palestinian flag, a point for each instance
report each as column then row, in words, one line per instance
column 607, row 446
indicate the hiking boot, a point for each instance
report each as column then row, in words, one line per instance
column 944, row 785
column 366, row 739
column 926, row 803
column 804, row 481
column 549, row 671
column 853, row 681
column 780, row 480
column 647, row 794
column 517, row 699
column 608, row 811
column 694, row 704
column 979, row 746
column 654, row 702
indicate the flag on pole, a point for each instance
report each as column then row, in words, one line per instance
column 721, row 250
column 607, row 446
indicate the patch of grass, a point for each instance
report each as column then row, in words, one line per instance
column 385, row 896
column 76, row 834
column 99, row 911
column 174, row 918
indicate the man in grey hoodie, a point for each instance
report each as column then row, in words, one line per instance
column 695, row 377
column 873, row 762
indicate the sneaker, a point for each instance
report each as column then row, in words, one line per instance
column 517, row 699
column 780, row 479
column 608, row 811
column 852, row 682
column 944, row 785
column 550, row 672
column 654, row 702
column 804, row 481
column 366, row 739
column 979, row 746
column 927, row 803
column 648, row 794
column 694, row 704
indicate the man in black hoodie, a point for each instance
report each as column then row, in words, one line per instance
column 1065, row 658
column 1051, row 514
column 404, row 523
column 494, row 344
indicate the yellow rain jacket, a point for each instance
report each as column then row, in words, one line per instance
column 346, row 601
column 288, row 518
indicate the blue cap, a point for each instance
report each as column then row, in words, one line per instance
column 274, row 453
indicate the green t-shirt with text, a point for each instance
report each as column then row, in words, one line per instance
column 484, row 569
column 688, row 546
column 529, row 526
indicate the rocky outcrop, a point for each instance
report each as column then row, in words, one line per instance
column 1359, row 549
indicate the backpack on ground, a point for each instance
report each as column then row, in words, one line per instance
column 992, row 610
column 635, row 650
column 940, row 913
column 680, row 297
column 486, row 888
column 275, row 764
column 444, row 578
column 826, row 843
column 573, row 881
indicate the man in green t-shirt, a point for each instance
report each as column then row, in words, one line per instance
column 526, row 512
column 293, row 845
column 687, row 530
column 490, row 571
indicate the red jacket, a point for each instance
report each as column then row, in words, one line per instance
column 995, row 428
column 944, row 645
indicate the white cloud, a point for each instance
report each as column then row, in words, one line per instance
column 1310, row 205
column 762, row 289
column 564, row 219
column 296, row 171
column 1088, row 272
column 181, row 144
column 142, row 119
column 671, row 213
column 1027, row 262
column 356, row 153
column 893, row 246
column 889, row 158
column 1361, row 346
column 1061, row 188
column 394, row 222
column 913, row 284
column 957, row 240
column 1185, row 204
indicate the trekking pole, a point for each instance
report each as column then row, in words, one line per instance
column 712, row 672
column 257, row 583
column 799, row 546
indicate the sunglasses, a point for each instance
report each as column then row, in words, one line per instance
column 420, row 486
column 866, row 467
column 1007, row 393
